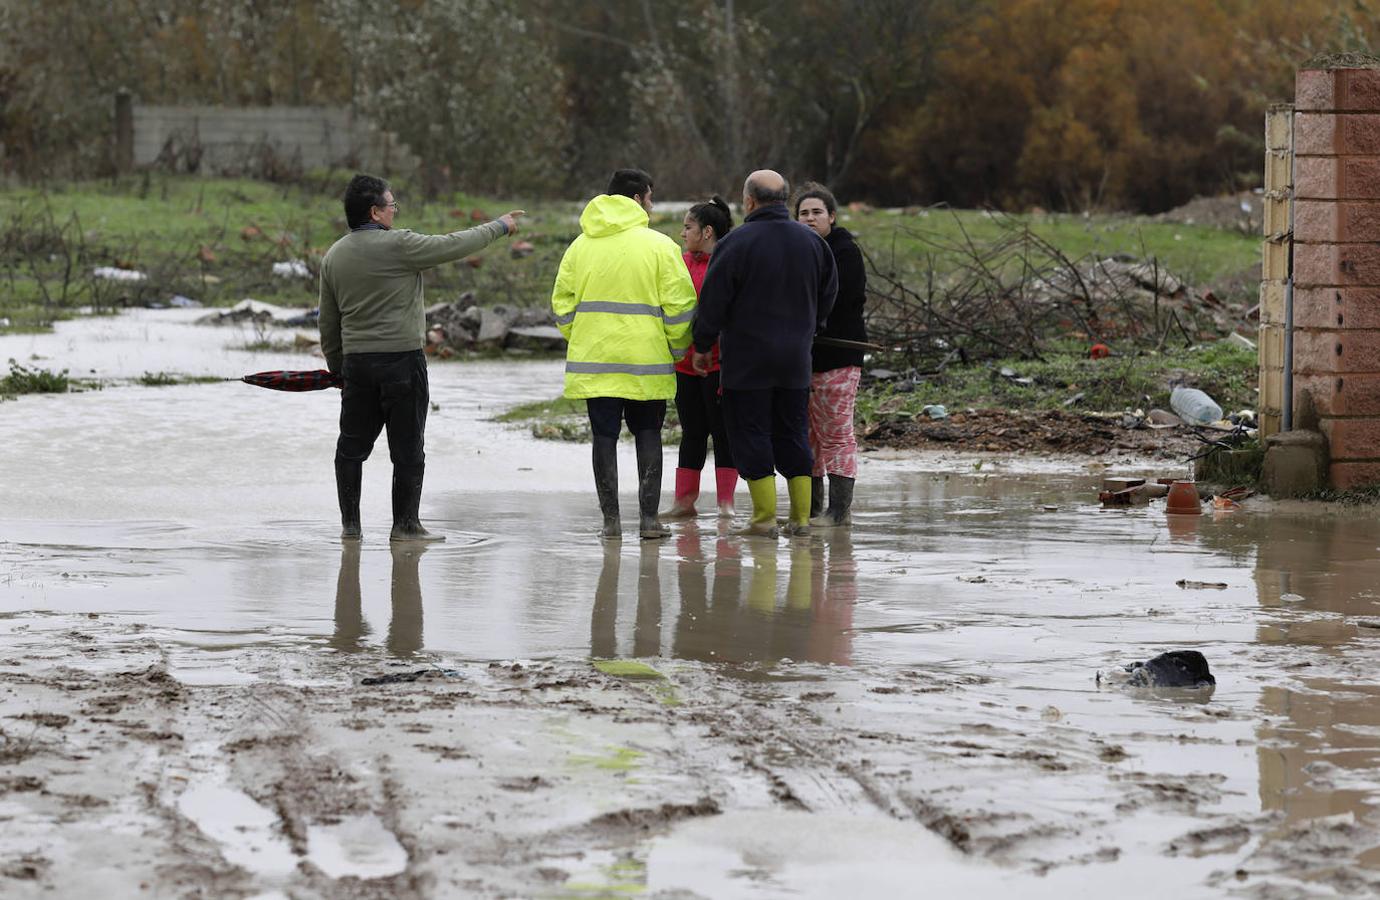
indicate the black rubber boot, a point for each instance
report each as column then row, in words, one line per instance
column 407, row 499
column 816, row 496
column 348, row 476
column 606, row 486
column 648, row 445
column 840, row 503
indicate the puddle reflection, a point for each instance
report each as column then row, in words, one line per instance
column 735, row 601
column 404, row 625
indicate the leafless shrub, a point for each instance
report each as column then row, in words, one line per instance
column 1019, row 296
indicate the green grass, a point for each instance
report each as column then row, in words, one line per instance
column 1224, row 371
column 27, row 380
column 168, row 379
column 215, row 240
column 543, row 409
column 1196, row 254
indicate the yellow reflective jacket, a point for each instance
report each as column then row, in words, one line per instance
column 624, row 300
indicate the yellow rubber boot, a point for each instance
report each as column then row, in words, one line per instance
column 800, row 489
column 763, row 493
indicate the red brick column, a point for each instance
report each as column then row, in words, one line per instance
column 1337, row 264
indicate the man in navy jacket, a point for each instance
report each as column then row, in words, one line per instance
column 770, row 286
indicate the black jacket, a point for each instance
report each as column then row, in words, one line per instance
column 770, row 286
column 846, row 320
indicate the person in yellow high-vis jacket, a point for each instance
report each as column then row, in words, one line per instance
column 624, row 301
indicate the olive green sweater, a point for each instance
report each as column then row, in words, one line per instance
column 371, row 287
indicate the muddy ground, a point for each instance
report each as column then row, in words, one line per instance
column 203, row 694
column 1045, row 432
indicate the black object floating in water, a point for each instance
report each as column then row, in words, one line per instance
column 1175, row 669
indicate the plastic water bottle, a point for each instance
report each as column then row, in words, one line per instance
column 1194, row 407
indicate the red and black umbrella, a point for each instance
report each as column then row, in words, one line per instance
column 281, row 380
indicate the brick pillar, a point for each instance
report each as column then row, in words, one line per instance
column 1279, row 154
column 1337, row 264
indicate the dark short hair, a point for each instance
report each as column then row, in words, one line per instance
column 362, row 194
column 764, row 196
column 813, row 190
column 713, row 214
column 629, row 183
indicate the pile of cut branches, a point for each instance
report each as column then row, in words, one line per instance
column 1019, row 297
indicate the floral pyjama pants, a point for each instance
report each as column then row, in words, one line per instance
column 832, row 440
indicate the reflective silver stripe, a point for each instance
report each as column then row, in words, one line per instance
column 565, row 319
column 622, row 309
column 683, row 317
column 598, row 368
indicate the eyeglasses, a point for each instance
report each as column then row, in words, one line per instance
column 393, row 206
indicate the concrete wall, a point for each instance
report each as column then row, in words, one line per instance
column 1337, row 264
column 243, row 140
column 1275, row 265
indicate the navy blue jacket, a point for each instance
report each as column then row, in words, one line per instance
column 846, row 319
column 770, row 286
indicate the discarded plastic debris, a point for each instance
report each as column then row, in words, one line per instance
column 182, row 302
column 1224, row 503
column 110, row 273
column 293, row 268
column 1076, row 398
column 1159, row 418
column 1099, row 351
column 1194, row 407
column 1175, row 669
column 1201, row 585
column 1183, row 499
column 934, row 411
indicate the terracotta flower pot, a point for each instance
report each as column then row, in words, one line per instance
column 1183, row 499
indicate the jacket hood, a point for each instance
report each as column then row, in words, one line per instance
column 606, row 215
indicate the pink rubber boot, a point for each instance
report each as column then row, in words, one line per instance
column 726, row 481
column 687, row 491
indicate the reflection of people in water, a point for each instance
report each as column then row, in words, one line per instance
column 647, row 625
column 603, row 621
column 722, row 619
column 349, row 618
column 603, row 626
column 405, row 627
column 708, row 604
column 836, row 591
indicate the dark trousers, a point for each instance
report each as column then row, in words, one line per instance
column 769, row 430
column 384, row 390
column 606, row 415
column 701, row 417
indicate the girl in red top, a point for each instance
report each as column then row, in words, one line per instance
column 697, row 396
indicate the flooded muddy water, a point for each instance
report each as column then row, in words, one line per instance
column 202, row 689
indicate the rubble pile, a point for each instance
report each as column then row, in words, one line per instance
column 466, row 326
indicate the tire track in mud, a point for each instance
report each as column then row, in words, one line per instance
column 503, row 780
